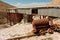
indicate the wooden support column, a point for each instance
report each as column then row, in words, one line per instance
column 10, row 19
column 7, row 17
column 41, row 17
column 14, row 19
column 25, row 18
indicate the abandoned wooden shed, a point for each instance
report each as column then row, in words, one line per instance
column 45, row 11
column 17, row 14
column 49, row 11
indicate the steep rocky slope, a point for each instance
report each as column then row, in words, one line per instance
column 54, row 3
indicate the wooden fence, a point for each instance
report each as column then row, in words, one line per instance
column 14, row 18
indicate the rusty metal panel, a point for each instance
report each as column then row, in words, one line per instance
column 42, row 11
column 54, row 12
column 24, row 11
column 14, row 17
column 49, row 12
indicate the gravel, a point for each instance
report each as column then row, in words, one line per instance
column 26, row 29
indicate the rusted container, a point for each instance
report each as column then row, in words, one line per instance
column 40, row 22
column 44, row 25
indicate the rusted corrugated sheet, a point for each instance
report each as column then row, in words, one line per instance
column 14, row 17
column 24, row 11
column 49, row 12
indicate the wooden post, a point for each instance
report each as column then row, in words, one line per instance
column 7, row 17
column 50, row 21
column 41, row 17
column 25, row 18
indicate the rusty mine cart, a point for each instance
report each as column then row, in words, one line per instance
column 43, row 26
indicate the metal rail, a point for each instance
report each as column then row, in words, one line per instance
column 18, row 38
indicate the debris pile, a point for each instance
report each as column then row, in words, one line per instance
column 44, row 25
column 39, row 26
column 16, row 30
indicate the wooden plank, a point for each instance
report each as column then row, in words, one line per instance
column 21, row 37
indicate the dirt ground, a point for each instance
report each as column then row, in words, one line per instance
column 25, row 30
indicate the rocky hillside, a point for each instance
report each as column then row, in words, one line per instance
column 3, row 14
column 54, row 3
column 4, row 6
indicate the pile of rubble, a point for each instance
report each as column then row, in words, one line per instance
column 25, row 29
column 16, row 30
column 44, row 25
column 56, row 21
